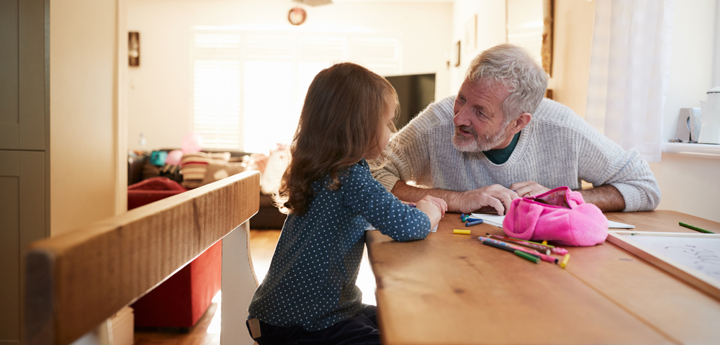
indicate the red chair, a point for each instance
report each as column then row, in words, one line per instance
column 180, row 301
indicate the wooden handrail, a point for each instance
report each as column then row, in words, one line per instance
column 78, row 279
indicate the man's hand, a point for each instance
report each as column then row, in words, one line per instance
column 528, row 188
column 495, row 196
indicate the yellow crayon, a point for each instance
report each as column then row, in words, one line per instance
column 461, row 231
column 565, row 260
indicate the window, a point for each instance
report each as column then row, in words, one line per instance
column 216, row 90
column 249, row 86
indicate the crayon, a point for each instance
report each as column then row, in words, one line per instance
column 461, row 231
column 565, row 261
column 474, row 222
column 527, row 256
column 695, row 228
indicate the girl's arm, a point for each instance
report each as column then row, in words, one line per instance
column 384, row 211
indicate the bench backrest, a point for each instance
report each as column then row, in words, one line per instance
column 78, row 279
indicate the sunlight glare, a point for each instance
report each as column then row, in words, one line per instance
column 214, row 327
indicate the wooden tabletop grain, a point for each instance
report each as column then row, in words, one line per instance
column 451, row 289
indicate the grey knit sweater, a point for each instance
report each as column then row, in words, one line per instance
column 557, row 148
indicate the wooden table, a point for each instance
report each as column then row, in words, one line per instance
column 451, row 289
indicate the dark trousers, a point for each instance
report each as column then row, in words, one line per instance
column 359, row 329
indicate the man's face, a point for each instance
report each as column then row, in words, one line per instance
column 479, row 118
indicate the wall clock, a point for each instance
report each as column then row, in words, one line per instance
column 297, row 16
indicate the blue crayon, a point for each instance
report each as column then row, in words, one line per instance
column 474, row 222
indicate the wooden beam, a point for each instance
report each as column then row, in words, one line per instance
column 78, row 279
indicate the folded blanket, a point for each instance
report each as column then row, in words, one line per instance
column 194, row 166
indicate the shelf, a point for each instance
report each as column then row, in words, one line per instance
column 705, row 150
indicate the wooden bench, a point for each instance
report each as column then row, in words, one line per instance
column 75, row 281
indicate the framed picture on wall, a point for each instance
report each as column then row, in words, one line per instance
column 457, row 54
column 134, row 48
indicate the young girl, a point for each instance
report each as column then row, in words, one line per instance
column 309, row 294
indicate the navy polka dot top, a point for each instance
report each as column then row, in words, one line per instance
column 311, row 281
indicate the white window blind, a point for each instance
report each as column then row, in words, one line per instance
column 216, row 90
column 249, row 86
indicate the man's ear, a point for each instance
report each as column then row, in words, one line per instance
column 518, row 124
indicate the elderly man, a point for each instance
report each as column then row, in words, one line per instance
column 499, row 139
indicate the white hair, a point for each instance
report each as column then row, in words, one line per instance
column 514, row 68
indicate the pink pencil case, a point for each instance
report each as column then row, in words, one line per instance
column 559, row 215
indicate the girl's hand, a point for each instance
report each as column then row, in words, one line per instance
column 440, row 203
column 434, row 208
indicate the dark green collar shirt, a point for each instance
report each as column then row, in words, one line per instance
column 501, row 156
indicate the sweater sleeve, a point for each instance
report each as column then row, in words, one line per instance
column 407, row 155
column 367, row 197
column 604, row 162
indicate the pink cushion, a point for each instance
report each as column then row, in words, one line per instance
column 559, row 215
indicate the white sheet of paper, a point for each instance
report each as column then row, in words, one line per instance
column 699, row 253
column 498, row 220
column 618, row 225
column 489, row 218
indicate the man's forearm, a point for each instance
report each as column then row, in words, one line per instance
column 606, row 197
column 409, row 193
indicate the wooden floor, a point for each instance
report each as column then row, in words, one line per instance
column 207, row 330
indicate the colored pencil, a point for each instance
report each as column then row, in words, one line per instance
column 543, row 257
column 527, row 256
column 488, row 243
column 695, row 228
column 538, row 247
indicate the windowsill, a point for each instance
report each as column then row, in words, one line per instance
column 703, row 150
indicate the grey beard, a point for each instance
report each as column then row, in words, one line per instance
column 463, row 144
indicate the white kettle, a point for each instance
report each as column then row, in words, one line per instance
column 710, row 132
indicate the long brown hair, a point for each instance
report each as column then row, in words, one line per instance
column 339, row 124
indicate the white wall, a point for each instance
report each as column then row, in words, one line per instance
column 690, row 184
column 490, row 32
column 160, row 89
column 716, row 57
column 83, row 113
column 573, row 29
